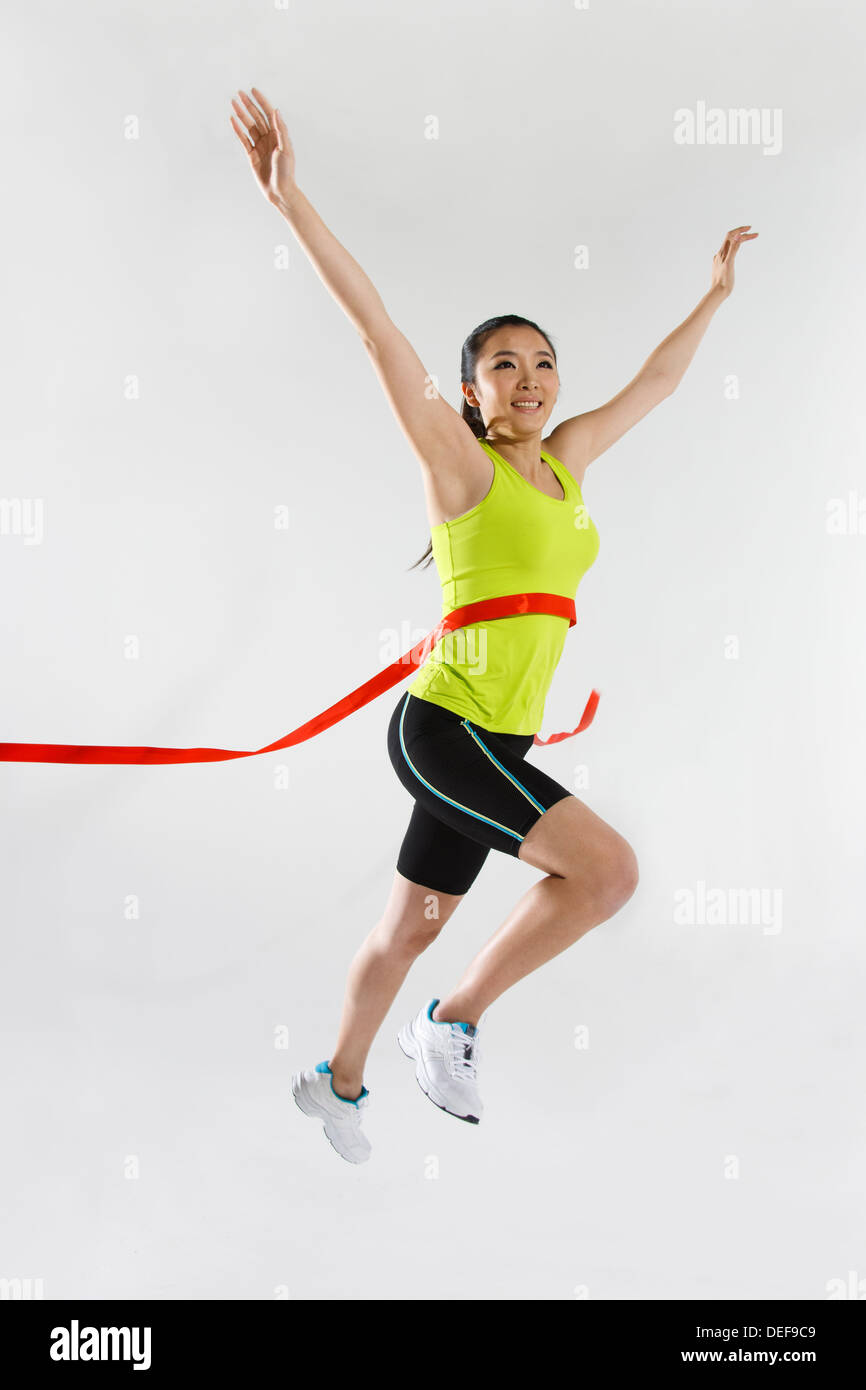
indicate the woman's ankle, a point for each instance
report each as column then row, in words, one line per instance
column 348, row 1087
column 456, row 1011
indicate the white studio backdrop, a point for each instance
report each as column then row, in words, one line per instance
column 669, row 1104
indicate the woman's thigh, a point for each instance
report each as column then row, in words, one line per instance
column 473, row 791
column 572, row 841
column 437, row 856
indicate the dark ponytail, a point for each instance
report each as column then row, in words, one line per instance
column 469, row 355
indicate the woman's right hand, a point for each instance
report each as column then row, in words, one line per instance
column 268, row 147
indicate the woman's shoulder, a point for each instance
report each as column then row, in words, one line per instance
column 568, row 465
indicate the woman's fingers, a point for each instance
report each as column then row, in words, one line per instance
column 263, row 101
column 242, row 137
column 251, row 116
column 277, row 124
column 739, row 235
column 249, row 125
column 280, row 131
column 731, row 243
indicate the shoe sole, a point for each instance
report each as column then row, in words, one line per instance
column 316, row 1114
column 408, row 1045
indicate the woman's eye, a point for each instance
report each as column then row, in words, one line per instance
column 506, row 363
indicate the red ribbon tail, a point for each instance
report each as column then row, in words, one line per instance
column 585, row 720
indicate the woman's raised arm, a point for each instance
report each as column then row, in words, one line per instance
column 272, row 160
column 439, row 436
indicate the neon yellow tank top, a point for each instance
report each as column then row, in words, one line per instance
column 516, row 540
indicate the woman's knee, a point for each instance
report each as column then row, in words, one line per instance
column 572, row 842
column 605, row 871
column 617, row 874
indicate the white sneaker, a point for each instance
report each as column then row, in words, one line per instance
column 446, row 1055
column 314, row 1093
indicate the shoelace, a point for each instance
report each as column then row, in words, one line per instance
column 465, row 1055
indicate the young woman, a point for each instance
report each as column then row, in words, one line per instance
column 507, row 516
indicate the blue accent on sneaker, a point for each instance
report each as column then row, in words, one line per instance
column 323, row 1066
column 467, row 1027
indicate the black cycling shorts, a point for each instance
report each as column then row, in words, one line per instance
column 473, row 792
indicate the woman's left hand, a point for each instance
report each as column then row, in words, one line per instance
column 723, row 260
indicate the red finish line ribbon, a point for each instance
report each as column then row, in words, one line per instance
column 506, row 606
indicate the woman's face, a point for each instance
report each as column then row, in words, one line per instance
column 515, row 365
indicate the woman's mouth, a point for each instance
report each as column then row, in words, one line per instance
column 526, row 407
